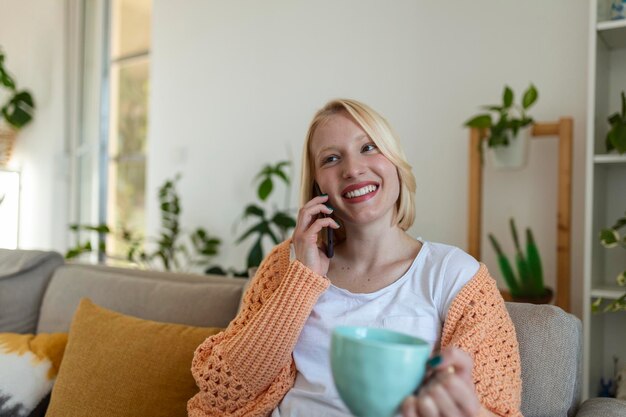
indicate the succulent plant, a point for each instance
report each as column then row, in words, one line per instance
column 528, row 282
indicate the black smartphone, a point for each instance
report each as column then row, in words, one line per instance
column 330, row 237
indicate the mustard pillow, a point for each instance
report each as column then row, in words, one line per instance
column 116, row 365
column 28, row 366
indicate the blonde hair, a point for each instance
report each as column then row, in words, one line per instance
column 379, row 130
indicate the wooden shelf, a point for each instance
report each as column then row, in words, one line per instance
column 562, row 130
column 613, row 33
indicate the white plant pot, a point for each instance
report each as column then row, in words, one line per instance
column 513, row 156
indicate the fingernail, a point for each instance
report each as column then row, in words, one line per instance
column 329, row 206
column 434, row 361
column 324, row 195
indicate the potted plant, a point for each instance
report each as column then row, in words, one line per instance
column 527, row 285
column 616, row 136
column 15, row 112
column 273, row 224
column 508, row 133
column 270, row 223
column 611, row 238
column 174, row 249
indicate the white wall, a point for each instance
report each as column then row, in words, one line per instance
column 234, row 85
column 31, row 35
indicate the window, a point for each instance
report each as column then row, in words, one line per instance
column 130, row 66
column 112, row 116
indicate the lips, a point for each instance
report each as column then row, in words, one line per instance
column 358, row 193
column 357, row 186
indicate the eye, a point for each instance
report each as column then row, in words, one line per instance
column 369, row 147
column 328, row 159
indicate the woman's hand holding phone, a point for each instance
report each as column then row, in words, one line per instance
column 308, row 226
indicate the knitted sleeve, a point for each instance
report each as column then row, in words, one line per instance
column 479, row 323
column 247, row 369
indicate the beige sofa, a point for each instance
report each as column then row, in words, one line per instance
column 39, row 293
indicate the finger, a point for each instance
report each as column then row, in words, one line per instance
column 316, row 200
column 409, row 406
column 319, row 224
column 442, row 397
column 308, row 214
column 426, row 407
column 457, row 360
column 462, row 393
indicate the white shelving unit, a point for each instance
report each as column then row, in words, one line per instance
column 605, row 199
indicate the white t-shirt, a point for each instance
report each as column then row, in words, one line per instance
column 416, row 304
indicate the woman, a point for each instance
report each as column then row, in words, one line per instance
column 273, row 359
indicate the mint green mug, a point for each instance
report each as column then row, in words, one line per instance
column 376, row 369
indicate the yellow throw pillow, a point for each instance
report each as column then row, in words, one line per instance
column 116, row 365
column 28, row 366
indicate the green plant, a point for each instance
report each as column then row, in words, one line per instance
column 175, row 251
column 18, row 110
column 510, row 117
column 616, row 136
column 529, row 279
column 611, row 238
column 273, row 223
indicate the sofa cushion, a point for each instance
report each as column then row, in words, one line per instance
column 28, row 366
column 550, row 374
column 116, row 365
column 195, row 300
column 24, row 275
column 602, row 407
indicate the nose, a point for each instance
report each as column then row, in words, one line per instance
column 352, row 167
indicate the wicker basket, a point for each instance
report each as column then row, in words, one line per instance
column 7, row 141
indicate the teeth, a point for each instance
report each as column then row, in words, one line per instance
column 361, row 191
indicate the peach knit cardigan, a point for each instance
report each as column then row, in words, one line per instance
column 247, row 369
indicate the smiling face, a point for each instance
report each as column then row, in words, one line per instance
column 362, row 184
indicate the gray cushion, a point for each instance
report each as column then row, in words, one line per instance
column 602, row 407
column 196, row 300
column 550, row 343
column 24, row 275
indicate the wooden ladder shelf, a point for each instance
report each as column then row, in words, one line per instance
column 563, row 130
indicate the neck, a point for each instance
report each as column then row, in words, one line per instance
column 374, row 244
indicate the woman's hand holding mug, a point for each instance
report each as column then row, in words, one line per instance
column 448, row 389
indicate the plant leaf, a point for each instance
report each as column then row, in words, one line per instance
column 19, row 110
column 505, row 267
column 507, row 97
column 258, row 228
column 253, row 210
column 617, row 137
column 282, row 175
column 265, row 189
column 480, row 121
column 256, row 254
column 284, row 220
column 530, row 96
column 609, row 238
column 534, row 263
